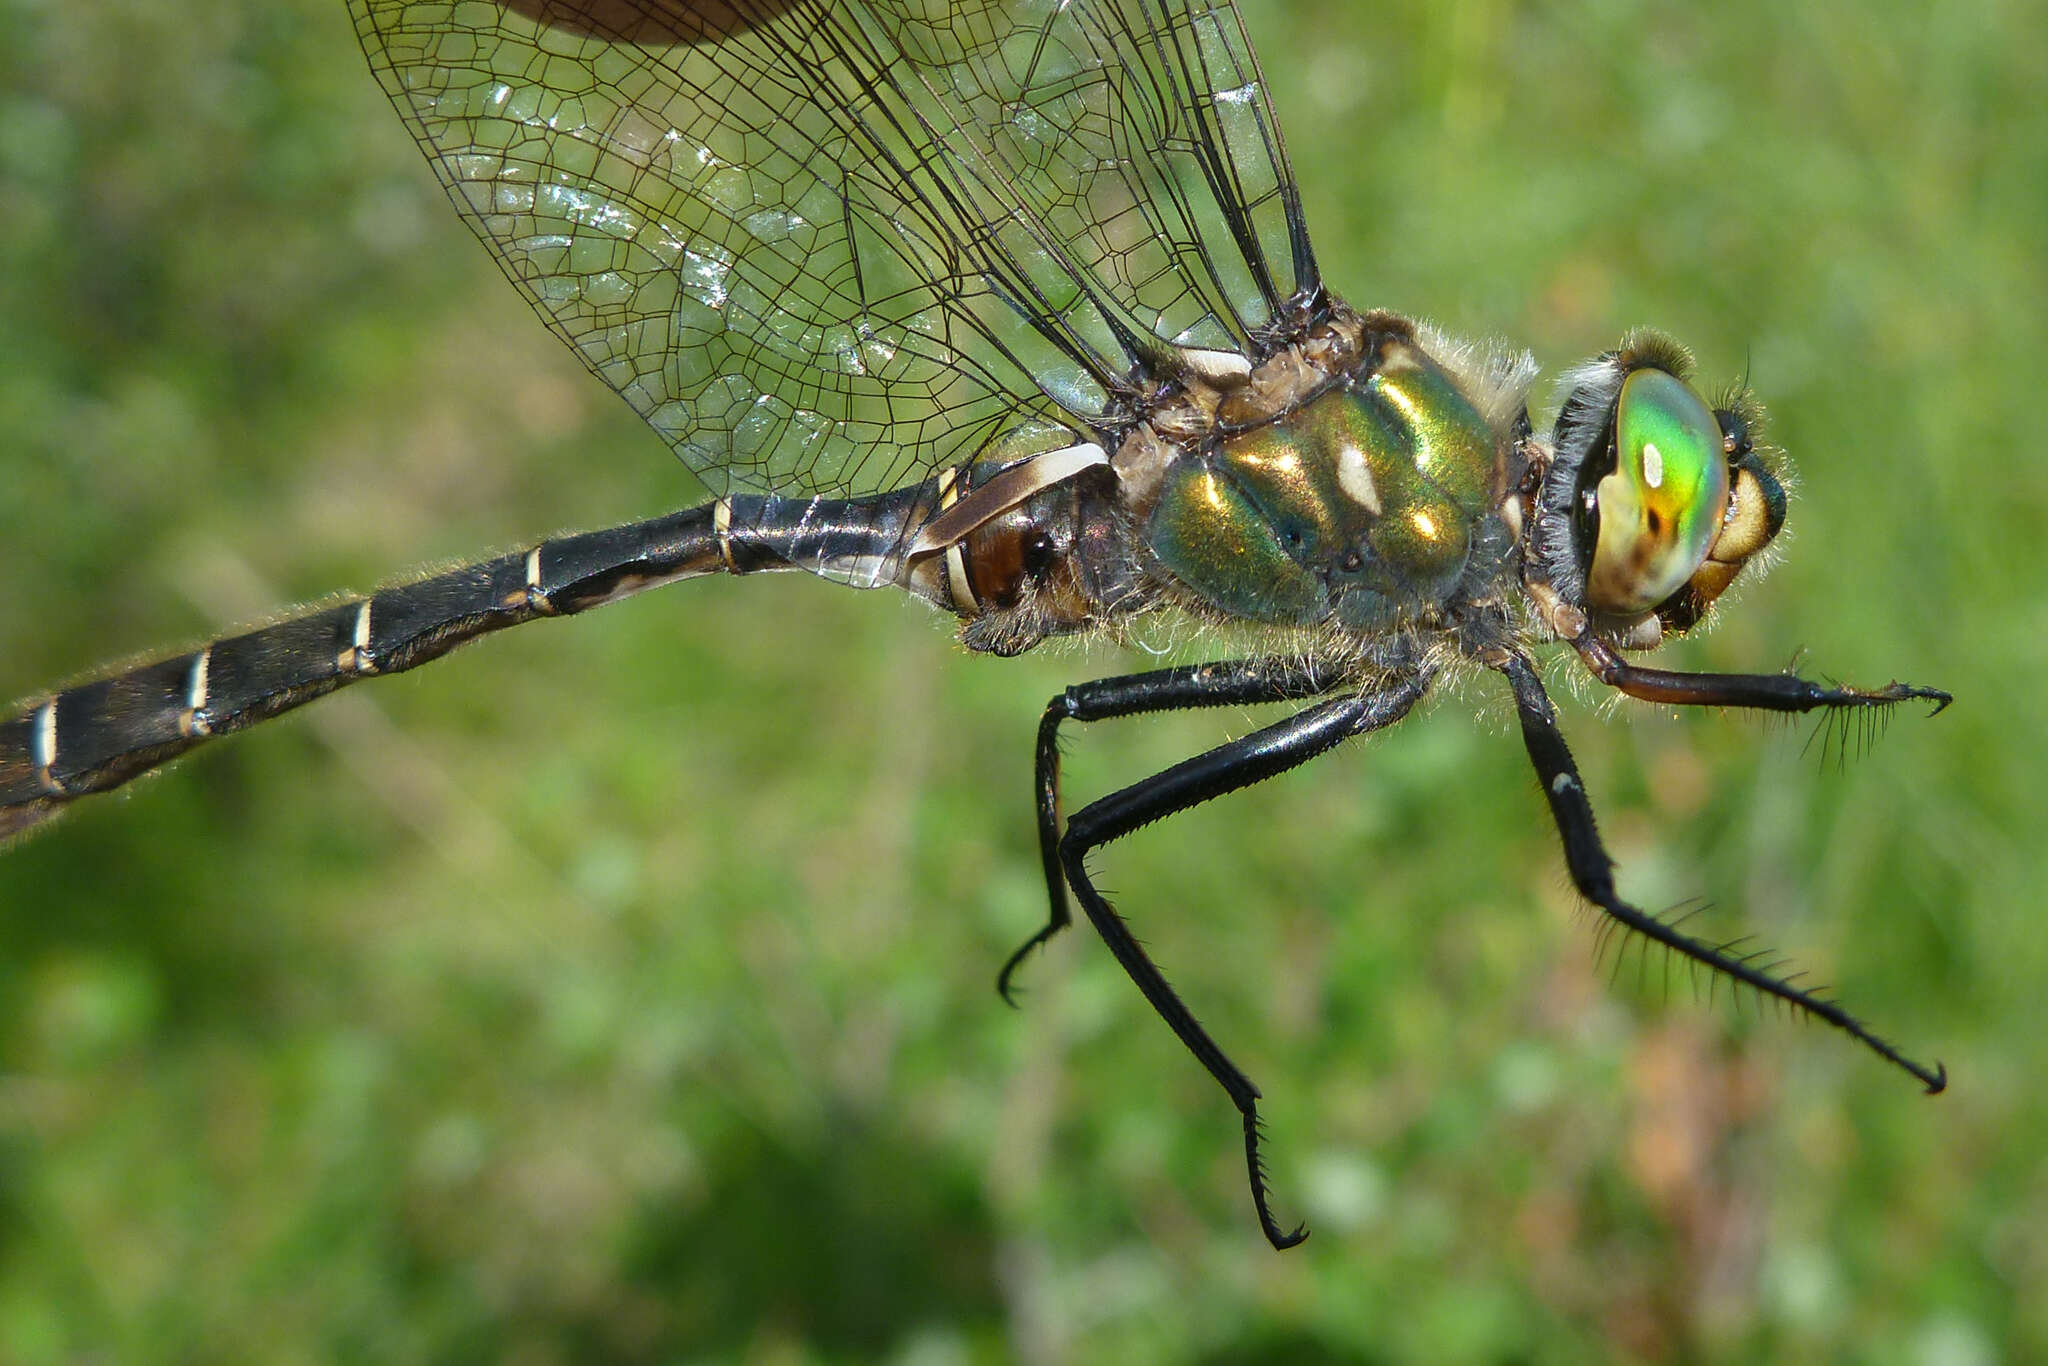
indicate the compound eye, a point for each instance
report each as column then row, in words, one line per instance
column 1661, row 508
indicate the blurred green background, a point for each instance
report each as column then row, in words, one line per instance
column 621, row 989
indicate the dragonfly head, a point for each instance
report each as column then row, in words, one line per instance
column 1653, row 501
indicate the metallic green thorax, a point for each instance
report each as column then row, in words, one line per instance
column 1360, row 506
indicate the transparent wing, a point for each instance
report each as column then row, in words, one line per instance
column 832, row 247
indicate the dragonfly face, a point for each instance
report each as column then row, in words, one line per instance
column 1012, row 306
column 1651, row 503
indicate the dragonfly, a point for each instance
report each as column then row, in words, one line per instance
column 1011, row 305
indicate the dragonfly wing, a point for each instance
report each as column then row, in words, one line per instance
column 832, row 248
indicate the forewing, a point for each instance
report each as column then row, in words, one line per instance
column 831, row 248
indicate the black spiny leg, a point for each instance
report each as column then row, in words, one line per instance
column 1235, row 682
column 1593, row 871
column 1759, row 692
column 1256, row 757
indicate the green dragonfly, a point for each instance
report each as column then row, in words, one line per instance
column 1011, row 305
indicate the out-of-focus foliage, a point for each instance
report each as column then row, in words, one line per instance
column 621, row 989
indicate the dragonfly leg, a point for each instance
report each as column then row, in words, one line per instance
column 1763, row 692
column 1251, row 759
column 1235, row 682
column 1592, row 870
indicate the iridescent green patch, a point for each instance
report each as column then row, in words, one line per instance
column 1661, row 507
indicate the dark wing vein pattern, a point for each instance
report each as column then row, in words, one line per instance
column 832, row 248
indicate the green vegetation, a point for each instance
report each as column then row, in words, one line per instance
column 622, row 989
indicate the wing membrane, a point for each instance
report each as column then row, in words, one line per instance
column 830, row 248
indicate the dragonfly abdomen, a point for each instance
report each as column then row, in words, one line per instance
column 106, row 731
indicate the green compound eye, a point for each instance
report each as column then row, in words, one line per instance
column 1662, row 507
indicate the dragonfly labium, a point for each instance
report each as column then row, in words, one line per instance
column 1010, row 304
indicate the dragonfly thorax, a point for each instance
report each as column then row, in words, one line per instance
column 1372, row 503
